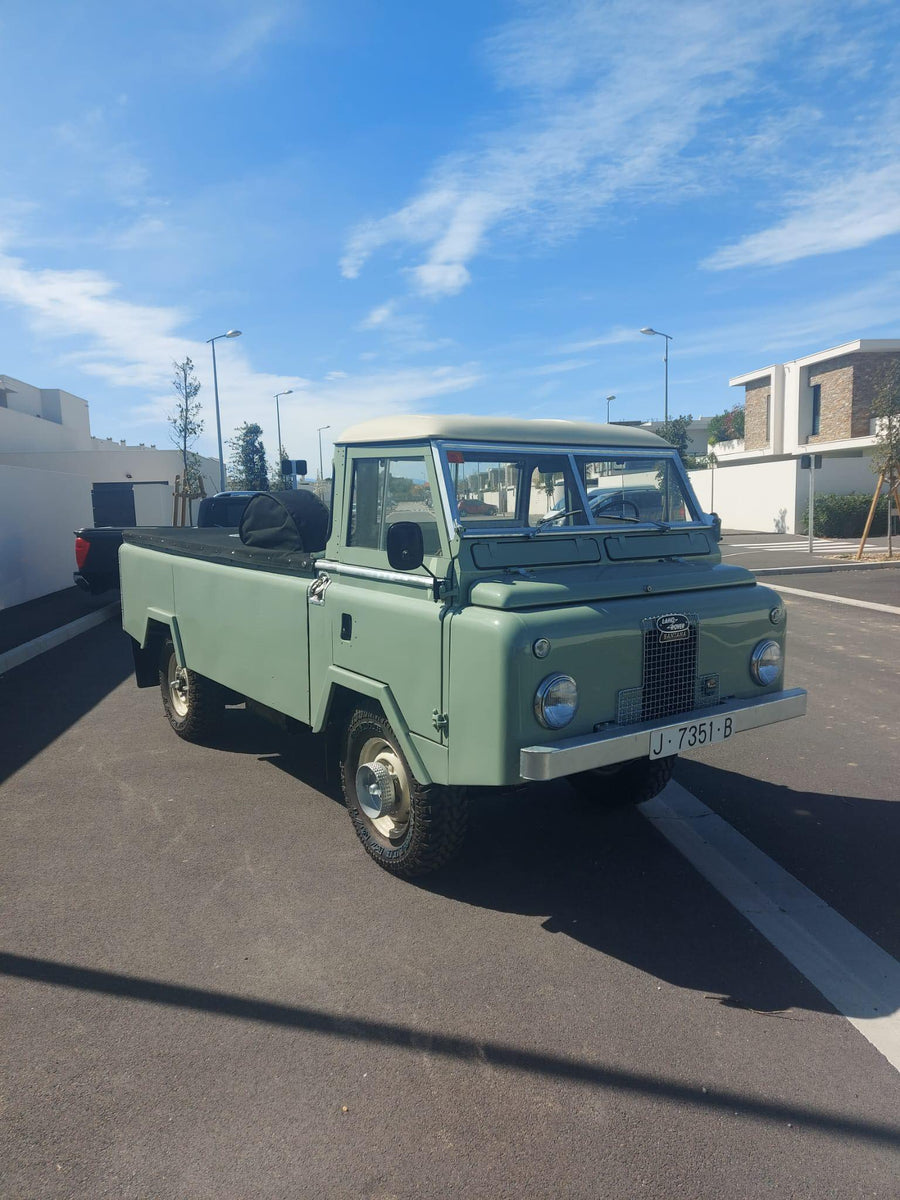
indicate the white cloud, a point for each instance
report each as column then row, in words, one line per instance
column 789, row 330
column 614, row 337
column 850, row 210
column 240, row 43
column 379, row 315
column 611, row 99
column 132, row 346
column 440, row 278
column 561, row 368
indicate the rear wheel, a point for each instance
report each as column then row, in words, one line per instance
column 625, row 784
column 407, row 828
column 193, row 704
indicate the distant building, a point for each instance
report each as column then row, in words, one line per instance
column 55, row 477
column 819, row 404
column 697, row 432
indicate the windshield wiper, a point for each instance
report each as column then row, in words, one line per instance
column 575, row 512
column 557, row 516
column 635, row 520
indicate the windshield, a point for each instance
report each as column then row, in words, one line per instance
column 542, row 491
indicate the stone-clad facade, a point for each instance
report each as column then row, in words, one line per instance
column 762, row 484
column 847, row 390
column 846, row 386
column 757, row 402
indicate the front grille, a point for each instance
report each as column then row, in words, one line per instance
column 670, row 669
column 669, row 672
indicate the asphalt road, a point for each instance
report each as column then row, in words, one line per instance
column 211, row 992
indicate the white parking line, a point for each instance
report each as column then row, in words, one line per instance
column 888, row 608
column 56, row 637
column 860, row 979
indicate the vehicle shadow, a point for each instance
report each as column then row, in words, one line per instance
column 45, row 696
column 844, row 848
column 606, row 878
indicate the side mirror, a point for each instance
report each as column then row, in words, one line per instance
column 405, row 546
column 716, row 522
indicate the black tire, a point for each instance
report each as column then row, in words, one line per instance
column 426, row 826
column 625, row 784
column 193, row 704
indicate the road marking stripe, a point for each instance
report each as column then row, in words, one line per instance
column 855, row 975
column 888, row 608
column 56, row 637
column 798, row 545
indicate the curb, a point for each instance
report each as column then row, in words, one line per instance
column 56, row 637
column 861, row 566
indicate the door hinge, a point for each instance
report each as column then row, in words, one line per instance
column 440, row 721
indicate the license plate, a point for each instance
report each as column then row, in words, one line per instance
column 675, row 738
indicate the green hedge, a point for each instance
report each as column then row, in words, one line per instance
column 845, row 516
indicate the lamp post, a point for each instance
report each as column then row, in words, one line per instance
column 289, row 392
column 609, row 400
column 232, row 333
column 651, row 332
column 321, row 469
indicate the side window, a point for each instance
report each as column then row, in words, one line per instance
column 408, row 495
column 385, row 490
column 366, row 502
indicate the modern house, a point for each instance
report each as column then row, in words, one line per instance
column 819, row 404
column 55, row 477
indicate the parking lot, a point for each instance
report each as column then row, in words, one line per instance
column 210, row 991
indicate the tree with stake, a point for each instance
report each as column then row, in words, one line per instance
column 247, row 466
column 886, row 457
column 187, row 425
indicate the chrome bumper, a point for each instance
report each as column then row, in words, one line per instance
column 614, row 746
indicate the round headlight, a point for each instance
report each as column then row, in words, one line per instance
column 556, row 700
column 765, row 662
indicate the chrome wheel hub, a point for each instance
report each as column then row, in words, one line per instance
column 375, row 790
column 383, row 789
column 178, row 687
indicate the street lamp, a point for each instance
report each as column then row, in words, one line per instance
column 232, row 333
column 651, row 332
column 609, row 400
column 289, row 392
column 319, row 431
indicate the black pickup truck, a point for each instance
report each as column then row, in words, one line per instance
column 97, row 550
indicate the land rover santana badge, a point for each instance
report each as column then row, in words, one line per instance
column 673, row 627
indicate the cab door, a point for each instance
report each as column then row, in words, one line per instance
column 385, row 624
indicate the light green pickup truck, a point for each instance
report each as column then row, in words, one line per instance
column 490, row 602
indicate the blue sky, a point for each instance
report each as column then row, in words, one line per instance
column 467, row 207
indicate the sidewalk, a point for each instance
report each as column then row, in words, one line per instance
column 25, row 622
column 783, row 553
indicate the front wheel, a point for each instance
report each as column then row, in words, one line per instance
column 625, row 784
column 193, row 704
column 407, row 828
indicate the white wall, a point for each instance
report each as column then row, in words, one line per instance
column 760, row 496
column 37, row 549
column 153, row 504
column 114, row 464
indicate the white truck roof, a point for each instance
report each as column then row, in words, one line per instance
column 465, row 428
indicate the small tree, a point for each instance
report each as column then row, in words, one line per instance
column 675, row 430
column 247, row 468
column 886, row 411
column 187, row 425
column 727, row 426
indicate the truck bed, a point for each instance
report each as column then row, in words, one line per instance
column 222, row 546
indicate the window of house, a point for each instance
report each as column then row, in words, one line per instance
column 816, row 407
column 386, row 490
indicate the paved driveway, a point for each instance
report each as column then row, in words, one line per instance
column 211, row 992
